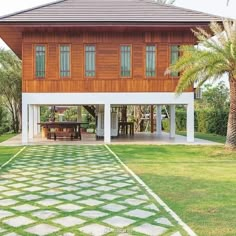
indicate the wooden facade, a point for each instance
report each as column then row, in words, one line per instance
column 107, row 77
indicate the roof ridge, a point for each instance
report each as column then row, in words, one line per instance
column 31, row 9
column 182, row 8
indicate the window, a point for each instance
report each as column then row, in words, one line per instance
column 125, row 61
column 174, row 58
column 65, row 61
column 150, row 61
column 90, row 61
column 40, row 61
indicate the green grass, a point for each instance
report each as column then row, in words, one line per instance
column 197, row 182
column 7, row 152
column 6, row 136
column 210, row 137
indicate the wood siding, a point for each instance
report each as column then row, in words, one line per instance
column 107, row 77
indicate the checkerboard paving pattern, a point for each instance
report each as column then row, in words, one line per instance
column 76, row 190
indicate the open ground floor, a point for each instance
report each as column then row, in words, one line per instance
column 80, row 190
column 109, row 125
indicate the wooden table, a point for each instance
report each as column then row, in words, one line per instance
column 62, row 129
column 127, row 127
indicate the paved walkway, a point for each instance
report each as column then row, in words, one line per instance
column 71, row 190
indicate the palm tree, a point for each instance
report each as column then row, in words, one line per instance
column 215, row 58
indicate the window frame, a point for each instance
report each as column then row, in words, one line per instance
column 70, row 62
column 35, row 61
column 145, row 65
column 174, row 75
column 131, row 61
column 95, row 60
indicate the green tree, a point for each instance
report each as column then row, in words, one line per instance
column 10, row 86
column 215, row 58
column 214, row 97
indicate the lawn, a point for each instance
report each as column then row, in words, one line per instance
column 210, row 137
column 7, row 152
column 6, row 136
column 197, row 182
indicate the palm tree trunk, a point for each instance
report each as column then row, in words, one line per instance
column 231, row 130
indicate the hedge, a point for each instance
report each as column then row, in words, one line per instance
column 206, row 121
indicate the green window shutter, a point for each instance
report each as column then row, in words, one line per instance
column 174, row 58
column 150, row 61
column 125, row 61
column 40, row 61
column 65, row 61
column 90, row 61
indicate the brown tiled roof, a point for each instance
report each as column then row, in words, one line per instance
column 108, row 11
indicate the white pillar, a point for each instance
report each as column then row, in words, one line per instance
column 172, row 121
column 24, row 122
column 158, row 121
column 31, row 122
column 79, row 118
column 35, row 120
column 190, row 122
column 107, row 123
column 38, row 120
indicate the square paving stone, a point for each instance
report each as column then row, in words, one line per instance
column 4, row 214
column 118, row 221
column 30, row 197
column 95, row 230
column 12, row 193
column 51, row 192
column 86, row 185
column 93, row 214
column 52, row 185
column 69, row 207
column 152, row 207
column 48, row 202
column 114, row 207
column 69, row 197
column 151, row 230
column 126, row 192
column 3, row 188
column 91, row 202
column 140, row 213
column 25, row 208
column 120, row 185
column 18, row 185
column 69, row 188
column 101, row 181
column 34, row 189
column 18, row 221
column 69, row 221
column 42, row 229
column 104, row 188
column 12, row 234
column 44, row 214
column 7, row 202
column 109, row 196
column 88, row 193
column 143, row 197
column 163, row 221
column 134, row 202
column 176, row 234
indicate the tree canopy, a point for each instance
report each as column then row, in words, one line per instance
column 215, row 58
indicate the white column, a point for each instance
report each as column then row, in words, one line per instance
column 35, row 120
column 38, row 119
column 190, row 122
column 158, row 121
column 172, row 121
column 31, row 122
column 107, row 123
column 24, row 122
column 79, row 118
